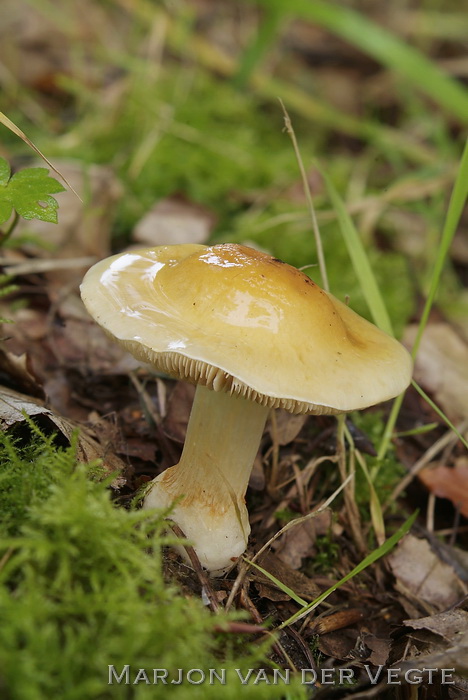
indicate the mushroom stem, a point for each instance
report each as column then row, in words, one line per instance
column 223, row 437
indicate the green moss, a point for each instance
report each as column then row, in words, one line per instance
column 80, row 590
column 385, row 474
column 327, row 555
column 26, row 476
column 190, row 133
column 285, row 516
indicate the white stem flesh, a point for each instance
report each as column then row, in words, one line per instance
column 223, row 437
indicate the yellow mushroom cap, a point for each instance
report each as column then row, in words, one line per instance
column 238, row 320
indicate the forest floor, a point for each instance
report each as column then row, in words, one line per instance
column 166, row 119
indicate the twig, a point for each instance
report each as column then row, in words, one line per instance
column 300, row 641
column 352, row 511
column 155, row 418
column 243, row 568
column 431, row 501
column 197, row 567
column 276, row 646
column 38, row 266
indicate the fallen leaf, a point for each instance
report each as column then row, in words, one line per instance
column 174, row 220
column 295, row 580
column 421, row 574
column 299, row 542
column 16, row 369
column 339, row 645
column 441, row 367
column 284, row 427
column 14, row 407
column 379, row 648
column 449, row 482
column 449, row 625
column 444, row 645
column 178, row 410
column 83, row 344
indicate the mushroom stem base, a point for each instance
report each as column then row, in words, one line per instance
column 210, row 481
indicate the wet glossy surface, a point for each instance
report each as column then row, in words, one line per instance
column 252, row 315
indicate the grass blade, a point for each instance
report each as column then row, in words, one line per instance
column 440, row 413
column 454, row 212
column 310, row 203
column 386, row 48
column 264, row 39
column 279, row 584
column 377, row 519
column 359, row 259
column 16, row 130
column 385, row 548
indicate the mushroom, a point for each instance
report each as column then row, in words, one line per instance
column 253, row 333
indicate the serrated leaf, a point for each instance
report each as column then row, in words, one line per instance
column 29, row 193
column 38, row 178
column 45, row 209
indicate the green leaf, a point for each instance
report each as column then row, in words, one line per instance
column 279, row 584
column 455, row 210
column 28, row 192
column 5, row 211
column 383, row 46
column 4, row 172
column 359, row 259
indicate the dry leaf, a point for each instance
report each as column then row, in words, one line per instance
column 284, row 427
column 447, row 482
column 423, row 575
column 441, row 367
column 448, row 645
column 339, row 645
column 295, row 580
column 16, row 369
column 174, row 220
column 449, row 625
column 178, row 410
column 379, row 648
column 299, row 542
column 84, row 345
column 14, row 406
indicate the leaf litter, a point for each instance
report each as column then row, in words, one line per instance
column 73, row 363
column 62, row 370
